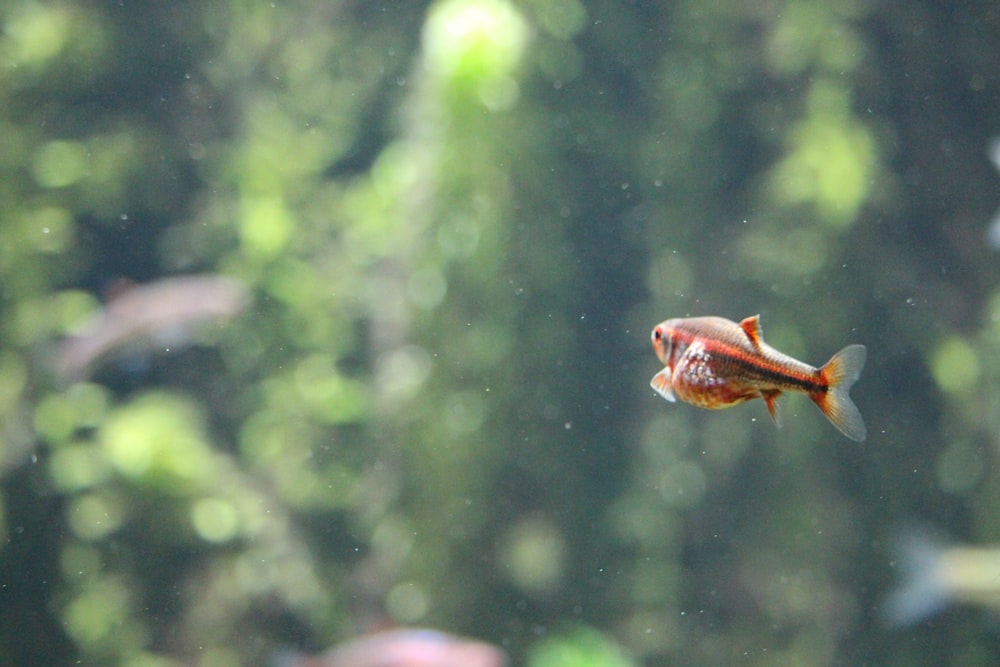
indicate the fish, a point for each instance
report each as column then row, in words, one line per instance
column 993, row 232
column 161, row 310
column 715, row 363
column 401, row 647
column 936, row 575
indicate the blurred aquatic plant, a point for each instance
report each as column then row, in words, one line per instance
column 582, row 647
column 831, row 159
column 533, row 556
column 472, row 49
column 158, row 442
column 965, row 369
column 62, row 41
column 433, row 410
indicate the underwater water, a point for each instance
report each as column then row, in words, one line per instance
column 325, row 333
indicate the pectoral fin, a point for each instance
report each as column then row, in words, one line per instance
column 661, row 383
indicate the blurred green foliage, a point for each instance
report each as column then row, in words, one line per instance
column 584, row 647
column 459, row 220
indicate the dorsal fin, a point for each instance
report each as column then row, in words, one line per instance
column 751, row 327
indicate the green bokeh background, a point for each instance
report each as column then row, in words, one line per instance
column 459, row 221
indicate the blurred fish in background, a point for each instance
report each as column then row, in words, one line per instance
column 993, row 233
column 163, row 313
column 936, row 575
column 403, row 647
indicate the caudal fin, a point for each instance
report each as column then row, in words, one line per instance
column 840, row 373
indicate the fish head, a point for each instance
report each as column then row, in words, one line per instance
column 664, row 341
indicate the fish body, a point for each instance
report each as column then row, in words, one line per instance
column 715, row 363
column 404, row 647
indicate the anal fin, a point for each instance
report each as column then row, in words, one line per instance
column 771, row 401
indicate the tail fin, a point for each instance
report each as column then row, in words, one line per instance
column 839, row 374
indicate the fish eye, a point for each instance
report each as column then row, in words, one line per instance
column 657, row 334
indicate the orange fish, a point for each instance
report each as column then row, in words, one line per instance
column 716, row 363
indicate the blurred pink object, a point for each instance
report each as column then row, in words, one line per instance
column 403, row 648
column 162, row 312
